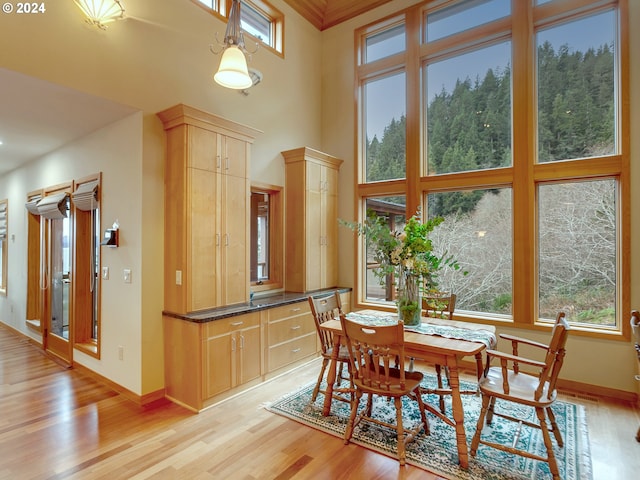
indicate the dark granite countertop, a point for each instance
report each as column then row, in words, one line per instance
column 258, row 303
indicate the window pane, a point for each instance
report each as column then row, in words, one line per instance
column 477, row 231
column 463, row 16
column 209, row 3
column 577, row 251
column 385, row 127
column 392, row 208
column 469, row 111
column 384, row 44
column 255, row 23
column 576, row 89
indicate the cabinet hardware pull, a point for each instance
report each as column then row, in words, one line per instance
column 295, row 327
column 233, row 344
column 241, row 342
column 295, row 309
column 226, row 163
column 218, row 162
column 226, row 239
column 217, row 239
column 296, row 350
column 235, row 324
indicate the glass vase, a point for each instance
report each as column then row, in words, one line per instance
column 408, row 299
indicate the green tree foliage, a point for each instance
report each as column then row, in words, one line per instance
column 469, row 128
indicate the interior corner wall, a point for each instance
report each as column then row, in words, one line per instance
column 116, row 151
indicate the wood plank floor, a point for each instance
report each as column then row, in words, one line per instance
column 59, row 424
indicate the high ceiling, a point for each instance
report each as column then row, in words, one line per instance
column 327, row 13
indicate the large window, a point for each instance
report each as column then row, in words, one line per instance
column 506, row 118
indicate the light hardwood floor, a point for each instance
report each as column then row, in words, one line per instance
column 58, row 424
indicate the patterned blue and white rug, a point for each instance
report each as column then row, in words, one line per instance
column 437, row 452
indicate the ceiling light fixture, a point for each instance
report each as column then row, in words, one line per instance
column 233, row 72
column 101, row 12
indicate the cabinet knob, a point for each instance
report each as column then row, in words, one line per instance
column 295, row 327
column 296, row 350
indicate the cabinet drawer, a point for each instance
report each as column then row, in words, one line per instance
column 226, row 325
column 290, row 328
column 292, row 351
column 295, row 309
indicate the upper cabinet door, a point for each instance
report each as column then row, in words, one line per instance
column 234, row 155
column 203, row 149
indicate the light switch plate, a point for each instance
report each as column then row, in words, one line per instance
column 105, row 273
column 127, row 275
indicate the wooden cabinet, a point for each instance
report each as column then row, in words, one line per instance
column 206, row 360
column 291, row 335
column 311, row 190
column 207, row 194
column 231, row 353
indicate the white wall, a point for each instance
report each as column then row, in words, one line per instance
column 116, row 151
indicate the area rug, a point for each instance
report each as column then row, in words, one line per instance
column 437, row 452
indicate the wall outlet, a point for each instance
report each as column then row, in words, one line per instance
column 120, row 352
column 178, row 277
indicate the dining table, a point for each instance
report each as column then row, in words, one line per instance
column 436, row 341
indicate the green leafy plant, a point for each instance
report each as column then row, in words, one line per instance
column 408, row 252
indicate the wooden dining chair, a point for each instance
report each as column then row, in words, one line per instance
column 536, row 389
column 324, row 309
column 439, row 305
column 375, row 350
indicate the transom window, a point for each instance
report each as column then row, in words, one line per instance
column 258, row 18
column 519, row 148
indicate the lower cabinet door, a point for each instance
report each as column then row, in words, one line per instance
column 218, row 368
column 249, row 354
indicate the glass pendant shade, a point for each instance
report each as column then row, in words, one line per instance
column 100, row 12
column 233, row 72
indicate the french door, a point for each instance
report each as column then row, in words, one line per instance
column 57, row 280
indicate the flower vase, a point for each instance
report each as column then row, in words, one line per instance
column 408, row 300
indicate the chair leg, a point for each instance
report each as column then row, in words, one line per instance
column 553, row 465
column 554, row 426
column 316, row 390
column 490, row 412
column 423, row 413
column 352, row 417
column 402, row 456
column 476, row 436
column 440, row 385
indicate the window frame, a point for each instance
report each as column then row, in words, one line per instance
column 276, row 237
column 83, row 305
column 525, row 174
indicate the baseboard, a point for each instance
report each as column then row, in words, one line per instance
column 585, row 389
column 140, row 400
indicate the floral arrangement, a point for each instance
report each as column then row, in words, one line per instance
column 408, row 255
